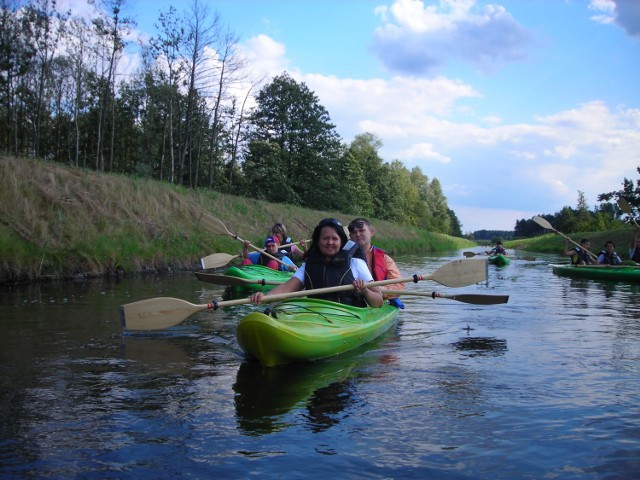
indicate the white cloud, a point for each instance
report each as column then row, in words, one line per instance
column 418, row 40
column 625, row 13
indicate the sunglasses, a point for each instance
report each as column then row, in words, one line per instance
column 329, row 221
column 355, row 225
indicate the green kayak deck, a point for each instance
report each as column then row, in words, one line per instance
column 307, row 329
column 625, row 273
column 251, row 273
column 499, row 260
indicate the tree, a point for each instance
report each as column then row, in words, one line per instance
column 308, row 149
column 629, row 192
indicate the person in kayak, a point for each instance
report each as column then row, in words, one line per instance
column 498, row 250
column 271, row 245
column 331, row 261
column 292, row 251
column 608, row 256
column 579, row 255
column 634, row 250
column 381, row 265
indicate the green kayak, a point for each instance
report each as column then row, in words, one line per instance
column 307, row 329
column 499, row 260
column 259, row 272
column 625, row 273
column 257, row 277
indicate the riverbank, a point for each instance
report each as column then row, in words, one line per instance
column 60, row 222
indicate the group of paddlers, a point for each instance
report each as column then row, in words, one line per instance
column 580, row 255
column 331, row 259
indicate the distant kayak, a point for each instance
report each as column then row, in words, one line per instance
column 255, row 277
column 499, row 260
column 625, row 273
column 307, row 329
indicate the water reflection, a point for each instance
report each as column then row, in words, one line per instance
column 265, row 395
column 481, row 346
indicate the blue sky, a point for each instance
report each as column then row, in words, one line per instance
column 514, row 106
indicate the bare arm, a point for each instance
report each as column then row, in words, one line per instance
column 291, row 285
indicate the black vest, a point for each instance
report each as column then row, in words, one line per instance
column 321, row 272
column 286, row 250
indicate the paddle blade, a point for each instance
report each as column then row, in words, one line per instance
column 543, row 223
column 464, row 297
column 469, row 254
column 213, row 225
column 216, row 260
column 157, row 313
column 460, row 273
column 473, row 298
column 624, row 206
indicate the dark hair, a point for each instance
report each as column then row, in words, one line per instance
column 279, row 228
column 609, row 242
column 328, row 222
column 584, row 240
column 358, row 223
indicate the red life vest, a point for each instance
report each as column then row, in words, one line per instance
column 378, row 264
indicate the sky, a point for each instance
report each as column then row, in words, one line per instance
column 515, row 106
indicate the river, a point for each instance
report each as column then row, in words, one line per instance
column 545, row 386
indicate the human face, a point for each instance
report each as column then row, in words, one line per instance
column 609, row 247
column 361, row 233
column 272, row 248
column 329, row 243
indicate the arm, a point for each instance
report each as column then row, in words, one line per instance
column 291, row 285
column 362, row 276
column 372, row 295
column 568, row 251
column 393, row 272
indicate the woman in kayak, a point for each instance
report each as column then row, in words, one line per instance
column 331, row 261
column 291, row 250
column 608, row 256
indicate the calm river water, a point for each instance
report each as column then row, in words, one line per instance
column 545, row 386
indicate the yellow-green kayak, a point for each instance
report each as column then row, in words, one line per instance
column 307, row 329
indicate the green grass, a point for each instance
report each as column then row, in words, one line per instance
column 57, row 221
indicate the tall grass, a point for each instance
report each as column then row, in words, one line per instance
column 57, row 221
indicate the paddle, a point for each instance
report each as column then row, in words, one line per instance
column 163, row 312
column 216, row 226
column 217, row 279
column 626, row 208
column 546, row 225
column 473, row 254
column 464, row 297
column 216, row 260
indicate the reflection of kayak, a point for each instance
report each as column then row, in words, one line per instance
column 498, row 260
column 305, row 329
column 264, row 395
column 627, row 273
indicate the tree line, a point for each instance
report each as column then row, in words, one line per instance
column 179, row 118
column 608, row 215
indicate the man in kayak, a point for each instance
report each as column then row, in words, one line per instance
column 498, row 250
column 381, row 265
column 271, row 245
column 579, row 255
column 328, row 264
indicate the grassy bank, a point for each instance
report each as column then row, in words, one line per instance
column 61, row 222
